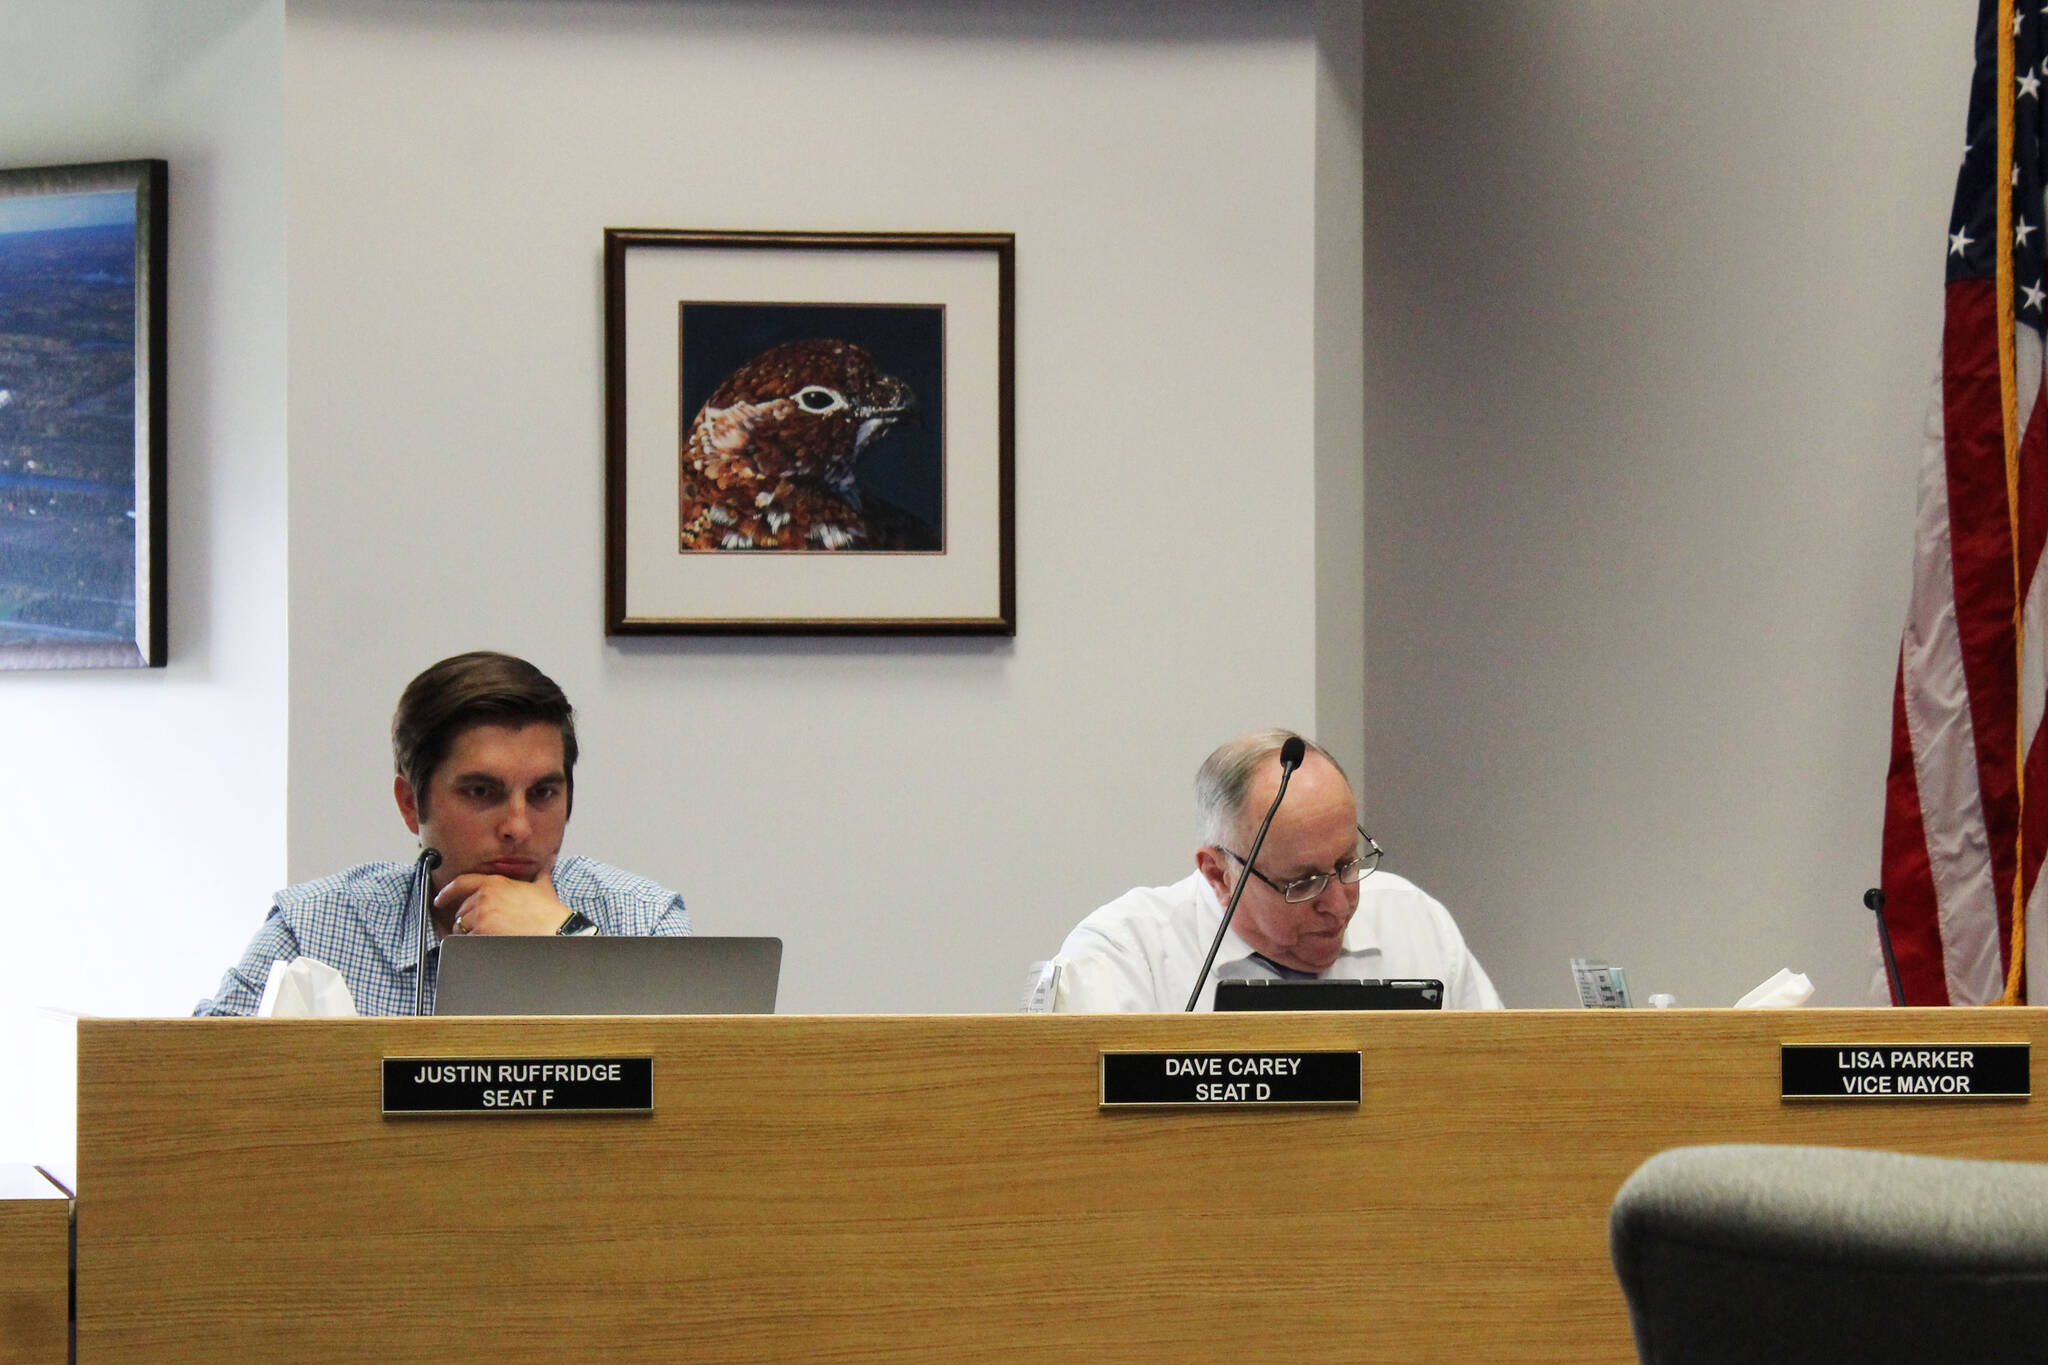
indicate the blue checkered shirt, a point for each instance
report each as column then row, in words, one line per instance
column 361, row 923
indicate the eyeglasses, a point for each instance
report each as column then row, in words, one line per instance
column 1350, row 872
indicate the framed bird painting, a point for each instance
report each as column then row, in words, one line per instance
column 809, row 433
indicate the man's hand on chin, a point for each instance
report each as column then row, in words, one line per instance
column 487, row 904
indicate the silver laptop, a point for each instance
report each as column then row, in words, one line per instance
column 513, row 974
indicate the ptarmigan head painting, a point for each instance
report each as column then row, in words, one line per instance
column 811, row 428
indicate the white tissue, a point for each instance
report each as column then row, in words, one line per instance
column 305, row 988
column 1781, row 992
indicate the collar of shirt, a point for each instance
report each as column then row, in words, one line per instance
column 1361, row 937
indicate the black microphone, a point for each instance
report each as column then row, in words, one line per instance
column 1291, row 754
column 1873, row 899
column 429, row 859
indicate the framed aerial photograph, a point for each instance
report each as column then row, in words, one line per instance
column 82, row 507
column 808, row 433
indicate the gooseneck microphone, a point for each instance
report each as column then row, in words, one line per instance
column 429, row 859
column 1873, row 899
column 1291, row 754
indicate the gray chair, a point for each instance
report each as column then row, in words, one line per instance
column 1788, row 1255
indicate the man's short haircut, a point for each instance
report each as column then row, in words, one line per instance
column 479, row 688
column 1226, row 776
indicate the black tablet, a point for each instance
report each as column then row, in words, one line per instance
column 1329, row 994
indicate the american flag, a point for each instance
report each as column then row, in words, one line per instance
column 1965, row 820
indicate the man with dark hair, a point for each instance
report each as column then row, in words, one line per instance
column 485, row 750
column 1315, row 904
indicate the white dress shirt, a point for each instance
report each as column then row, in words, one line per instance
column 1141, row 952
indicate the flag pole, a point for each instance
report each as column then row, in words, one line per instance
column 2008, row 390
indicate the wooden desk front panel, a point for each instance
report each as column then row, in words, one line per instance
column 35, row 1269
column 926, row 1188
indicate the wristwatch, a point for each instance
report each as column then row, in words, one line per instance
column 577, row 923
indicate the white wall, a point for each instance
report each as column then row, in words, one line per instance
column 143, row 810
column 1653, row 302
column 1340, row 399
column 917, row 819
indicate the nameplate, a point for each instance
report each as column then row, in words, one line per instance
column 1913, row 1071
column 518, row 1085
column 1230, row 1079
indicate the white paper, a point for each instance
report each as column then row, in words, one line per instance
column 1781, row 992
column 305, row 988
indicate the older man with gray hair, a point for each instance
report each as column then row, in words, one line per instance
column 1315, row 905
